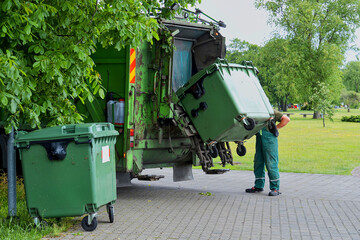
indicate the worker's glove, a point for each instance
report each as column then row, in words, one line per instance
column 272, row 128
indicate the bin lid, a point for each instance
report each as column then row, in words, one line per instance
column 90, row 130
column 220, row 65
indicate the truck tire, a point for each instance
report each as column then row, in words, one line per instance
column 3, row 151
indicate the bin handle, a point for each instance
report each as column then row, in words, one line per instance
column 86, row 142
column 47, row 141
column 103, row 127
column 24, row 147
column 134, row 104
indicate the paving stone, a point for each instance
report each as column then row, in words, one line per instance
column 308, row 208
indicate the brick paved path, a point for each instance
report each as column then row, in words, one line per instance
column 312, row 206
column 356, row 172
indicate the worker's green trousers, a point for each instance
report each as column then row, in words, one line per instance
column 266, row 155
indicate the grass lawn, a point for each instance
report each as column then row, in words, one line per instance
column 306, row 146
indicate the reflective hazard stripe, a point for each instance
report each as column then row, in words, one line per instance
column 275, row 180
column 132, row 65
column 259, row 178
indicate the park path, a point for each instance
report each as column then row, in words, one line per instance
column 312, row 206
column 356, row 172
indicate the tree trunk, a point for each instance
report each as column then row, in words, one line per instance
column 286, row 105
column 316, row 115
column 281, row 105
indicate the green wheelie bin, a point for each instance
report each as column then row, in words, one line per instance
column 225, row 102
column 69, row 171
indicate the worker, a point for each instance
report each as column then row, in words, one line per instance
column 267, row 155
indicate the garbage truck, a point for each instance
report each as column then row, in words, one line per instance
column 176, row 108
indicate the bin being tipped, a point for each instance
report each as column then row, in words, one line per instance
column 226, row 103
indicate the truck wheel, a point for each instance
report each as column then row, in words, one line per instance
column 241, row 150
column 251, row 124
column 86, row 226
column 3, row 151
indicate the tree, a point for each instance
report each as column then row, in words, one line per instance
column 321, row 102
column 319, row 31
column 352, row 76
column 277, row 65
column 239, row 51
column 45, row 49
column 351, row 99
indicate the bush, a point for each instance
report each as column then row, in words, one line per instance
column 351, row 118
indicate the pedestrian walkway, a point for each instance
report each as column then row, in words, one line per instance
column 356, row 172
column 311, row 206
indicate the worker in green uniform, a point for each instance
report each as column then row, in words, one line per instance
column 267, row 155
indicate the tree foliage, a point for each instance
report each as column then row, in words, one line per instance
column 315, row 21
column 277, row 64
column 352, row 76
column 321, row 101
column 351, row 99
column 319, row 32
column 240, row 50
column 45, row 49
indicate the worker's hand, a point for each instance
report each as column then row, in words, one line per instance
column 283, row 122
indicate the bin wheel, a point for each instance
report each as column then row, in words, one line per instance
column 194, row 113
column 241, row 150
column 110, row 210
column 86, row 226
column 214, row 153
column 251, row 124
column 43, row 224
column 40, row 223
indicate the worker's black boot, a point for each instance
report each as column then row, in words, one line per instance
column 274, row 192
column 254, row 190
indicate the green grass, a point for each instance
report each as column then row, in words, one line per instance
column 23, row 227
column 305, row 146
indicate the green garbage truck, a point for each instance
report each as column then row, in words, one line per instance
column 180, row 109
column 177, row 108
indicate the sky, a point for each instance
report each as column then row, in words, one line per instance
column 247, row 23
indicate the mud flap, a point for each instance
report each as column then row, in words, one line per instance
column 182, row 172
column 123, row 179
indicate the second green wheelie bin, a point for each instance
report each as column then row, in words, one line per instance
column 225, row 102
column 69, row 171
